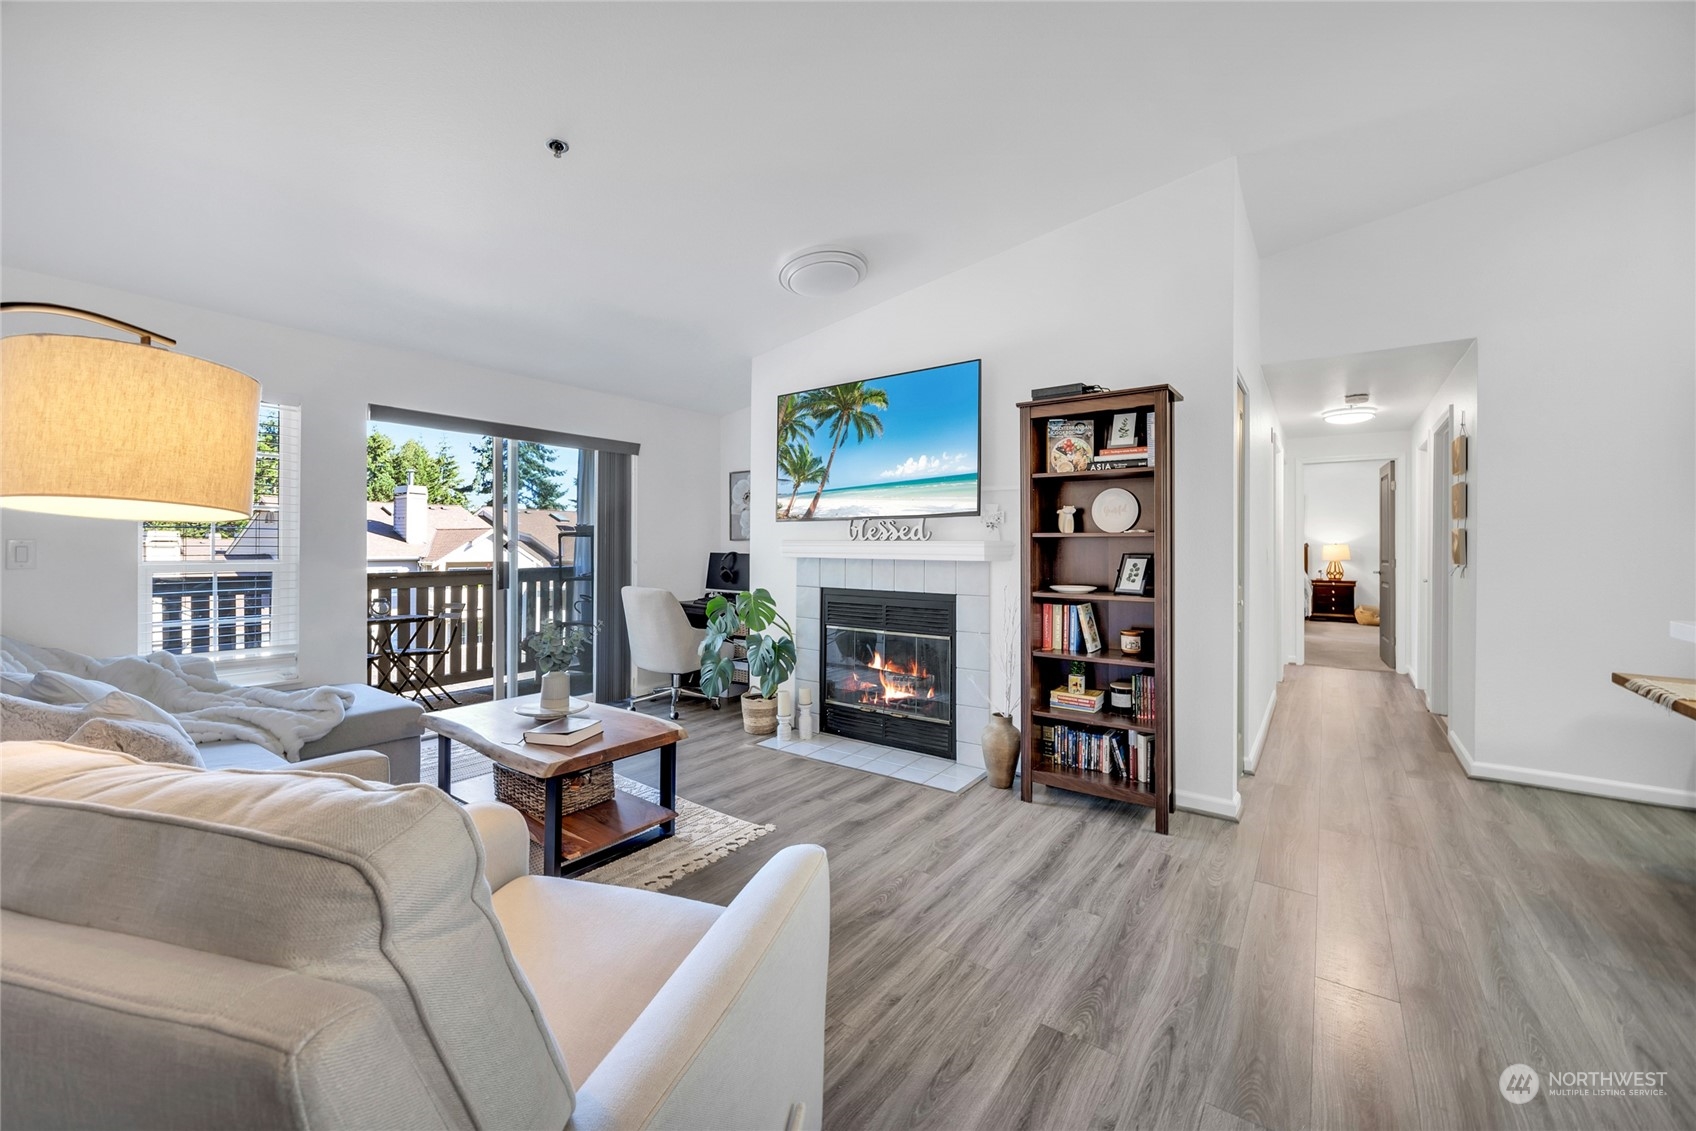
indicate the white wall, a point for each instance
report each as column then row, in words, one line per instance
column 1576, row 279
column 85, row 593
column 1139, row 294
column 1340, row 502
column 1304, row 454
column 732, row 456
column 1262, row 668
column 1457, row 398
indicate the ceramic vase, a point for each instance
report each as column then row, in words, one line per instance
column 1000, row 743
column 556, row 688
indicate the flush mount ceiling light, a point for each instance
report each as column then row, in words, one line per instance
column 104, row 429
column 817, row 274
column 1355, row 410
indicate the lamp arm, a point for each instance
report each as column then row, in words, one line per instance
column 148, row 337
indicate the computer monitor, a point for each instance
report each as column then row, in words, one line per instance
column 727, row 572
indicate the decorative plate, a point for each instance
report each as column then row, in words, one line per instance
column 1115, row 510
column 530, row 706
column 1074, row 588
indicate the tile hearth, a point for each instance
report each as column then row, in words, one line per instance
column 903, row 765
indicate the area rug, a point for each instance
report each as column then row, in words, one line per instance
column 703, row 836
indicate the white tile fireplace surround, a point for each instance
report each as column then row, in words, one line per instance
column 969, row 581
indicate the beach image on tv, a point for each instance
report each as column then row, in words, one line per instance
column 904, row 446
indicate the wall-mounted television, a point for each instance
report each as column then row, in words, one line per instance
column 902, row 446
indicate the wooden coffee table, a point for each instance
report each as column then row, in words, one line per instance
column 590, row 836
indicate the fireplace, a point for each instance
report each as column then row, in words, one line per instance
column 886, row 668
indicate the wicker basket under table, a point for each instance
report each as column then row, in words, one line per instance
column 529, row 795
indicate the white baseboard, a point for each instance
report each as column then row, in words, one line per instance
column 1251, row 757
column 1571, row 783
column 1230, row 810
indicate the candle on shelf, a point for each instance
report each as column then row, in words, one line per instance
column 806, row 697
column 784, row 707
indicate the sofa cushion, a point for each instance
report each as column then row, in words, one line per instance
column 596, row 954
column 151, row 742
column 374, row 887
column 25, row 720
column 372, row 719
column 100, row 699
column 241, row 756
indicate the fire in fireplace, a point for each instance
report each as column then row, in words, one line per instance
column 887, row 668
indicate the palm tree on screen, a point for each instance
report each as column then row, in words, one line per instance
column 799, row 465
column 794, row 426
column 844, row 408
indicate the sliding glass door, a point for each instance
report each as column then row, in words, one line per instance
column 474, row 544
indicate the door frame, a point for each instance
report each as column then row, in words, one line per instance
column 1296, row 593
column 1389, row 596
column 1239, row 492
column 1439, row 603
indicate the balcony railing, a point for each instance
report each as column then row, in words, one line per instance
column 546, row 594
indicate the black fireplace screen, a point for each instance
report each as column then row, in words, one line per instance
column 887, row 663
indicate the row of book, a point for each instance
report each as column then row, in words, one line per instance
column 1118, row 753
column 1069, row 628
column 1139, row 690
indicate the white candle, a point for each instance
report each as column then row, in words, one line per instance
column 806, row 697
column 784, row 706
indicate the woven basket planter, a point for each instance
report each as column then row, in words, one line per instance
column 759, row 716
column 577, row 791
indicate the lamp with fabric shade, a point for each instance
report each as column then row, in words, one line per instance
column 1335, row 554
column 98, row 428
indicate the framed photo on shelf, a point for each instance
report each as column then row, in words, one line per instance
column 1123, row 434
column 1136, row 575
column 740, row 496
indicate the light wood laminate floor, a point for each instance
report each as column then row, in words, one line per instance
column 1370, row 947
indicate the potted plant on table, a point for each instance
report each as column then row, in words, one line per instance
column 556, row 649
column 771, row 655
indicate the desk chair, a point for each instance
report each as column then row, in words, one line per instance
column 661, row 640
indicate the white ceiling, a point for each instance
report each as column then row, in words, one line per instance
column 1401, row 383
column 379, row 171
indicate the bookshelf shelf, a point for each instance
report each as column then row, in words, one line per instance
column 1109, row 473
column 1056, row 741
column 1103, row 718
column 1095, row 782
column 1084, row 598
column 1110, row 657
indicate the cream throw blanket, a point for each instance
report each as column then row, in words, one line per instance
column 209, row 709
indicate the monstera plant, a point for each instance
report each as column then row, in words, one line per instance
column 771, row 654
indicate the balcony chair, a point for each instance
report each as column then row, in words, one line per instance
column 423, row 659
column 662, row 640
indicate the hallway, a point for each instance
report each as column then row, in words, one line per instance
column 1453, row 928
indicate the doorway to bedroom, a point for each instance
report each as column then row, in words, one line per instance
column 1349, row 561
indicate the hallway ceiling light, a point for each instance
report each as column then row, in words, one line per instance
column 817, row 274
column 1355, row 410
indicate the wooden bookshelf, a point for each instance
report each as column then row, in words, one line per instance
column 1088, row 556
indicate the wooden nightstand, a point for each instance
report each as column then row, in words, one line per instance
column 1332, row 600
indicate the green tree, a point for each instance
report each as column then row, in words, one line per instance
column 798, row 464
column 447, row 488
column 539, row 481
column 794, row 426
column 379, row 467
column 386, row 468
column 850, row 407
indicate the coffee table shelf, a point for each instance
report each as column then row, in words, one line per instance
column 601, row 826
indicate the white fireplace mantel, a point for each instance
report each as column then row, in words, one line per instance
column 935, row 550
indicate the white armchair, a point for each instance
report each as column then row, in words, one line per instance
column 306, row 950
column 663, row 640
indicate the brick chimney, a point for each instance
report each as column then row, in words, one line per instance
column 412, row 513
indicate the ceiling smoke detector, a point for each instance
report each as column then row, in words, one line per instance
column 818, row 274
column 1355, row 410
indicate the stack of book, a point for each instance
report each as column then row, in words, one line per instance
column 1069, row 628
column 1128, row 445
column 1119, row 459
column 1142, row 757
column 1090, row 702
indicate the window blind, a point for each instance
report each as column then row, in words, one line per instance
column 231, row 591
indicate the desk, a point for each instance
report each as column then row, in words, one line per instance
column 589, row 836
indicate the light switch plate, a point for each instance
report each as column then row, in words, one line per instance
column 20, row 553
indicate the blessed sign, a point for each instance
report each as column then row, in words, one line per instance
column 887, row 530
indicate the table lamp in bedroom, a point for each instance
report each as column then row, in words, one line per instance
column 1335, row 554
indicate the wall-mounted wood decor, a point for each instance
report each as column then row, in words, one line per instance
column 1457, row 501
column 1457, row 455
column 1457, row 547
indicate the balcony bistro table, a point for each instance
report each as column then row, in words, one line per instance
column 588, row 837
